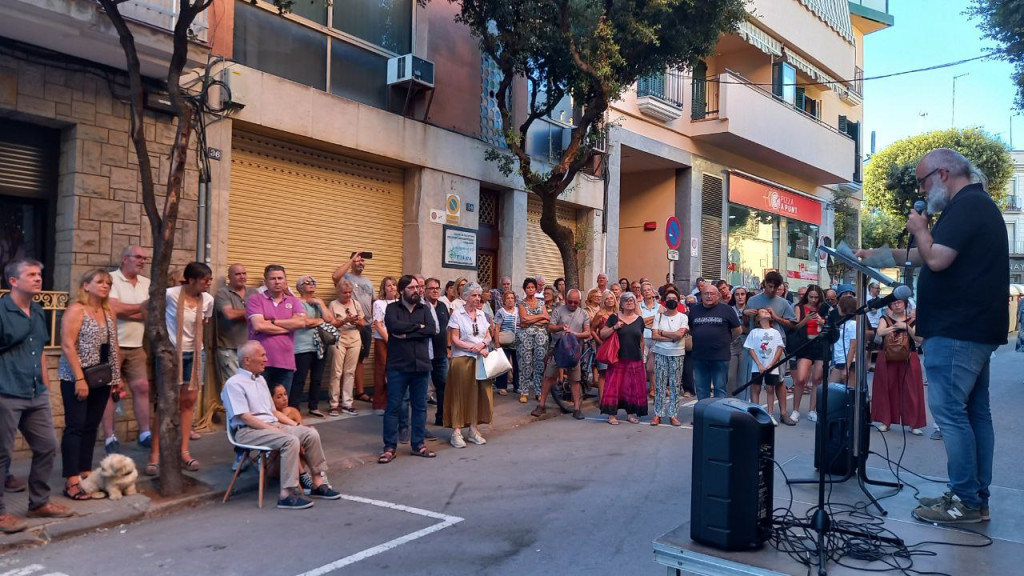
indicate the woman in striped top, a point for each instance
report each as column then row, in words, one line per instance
column 506, row 325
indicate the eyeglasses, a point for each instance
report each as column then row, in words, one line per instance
column 921, row 181
column 476, row 331
column 309, row 283
column 433, row 287
column 140, row 257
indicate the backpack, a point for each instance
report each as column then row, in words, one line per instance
column 568, row 351
column 896, row 346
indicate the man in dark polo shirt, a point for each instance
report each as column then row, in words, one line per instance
column 965, row 252
column 713, row 325
column 24, row 390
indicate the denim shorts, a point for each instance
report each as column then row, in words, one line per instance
column 186, row 367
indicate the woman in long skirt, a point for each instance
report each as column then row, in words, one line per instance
column 625, row 387
column 468, row 401
column 897, row 392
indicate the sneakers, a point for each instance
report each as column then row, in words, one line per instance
column 457, row 440
column 917, row 432
column 146, row 442
column 324, row 492
column 948, row 509
column 306, row 481
column 936, row 435
column 812, row 416
column 112, row 446
column 10, row 524
column 577, row 414
column 883, row 428
column 50, row 510
column 927, row 502
column 294, row 502
column 334, row 412
column 795, row 416
column 476, row 438
column 14, row 484
column 349, row 410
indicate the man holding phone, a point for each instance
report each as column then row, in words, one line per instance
column 362, row 291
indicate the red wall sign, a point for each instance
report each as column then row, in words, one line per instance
column 774, row 200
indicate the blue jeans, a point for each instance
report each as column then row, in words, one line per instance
column 958, row 374
column 415, row 385
column 439, row 376
column 275, row 376
column 708, row 372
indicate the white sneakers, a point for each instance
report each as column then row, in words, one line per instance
column 476, row 438
column 457, row 440
column 774, row 421
column 812, row 416
column 795, row 416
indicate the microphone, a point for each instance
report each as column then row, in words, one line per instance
column 901, row 292
column 919, row 207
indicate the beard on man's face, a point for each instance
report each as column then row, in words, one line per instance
column 938, row 198
column 414, row 298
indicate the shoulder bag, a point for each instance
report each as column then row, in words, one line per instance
column 493, row 365
column 99, row 375
column 505, row 338
column 896, row 346
column 608, row 353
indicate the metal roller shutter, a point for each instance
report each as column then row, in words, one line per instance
column 711, row 227
column 321, row 207
column 543, row 256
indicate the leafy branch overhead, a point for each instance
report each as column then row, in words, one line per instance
column 1003, row 21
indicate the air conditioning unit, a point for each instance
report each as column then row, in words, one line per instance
column 409, row 68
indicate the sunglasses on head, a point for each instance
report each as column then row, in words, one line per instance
column 476, row 331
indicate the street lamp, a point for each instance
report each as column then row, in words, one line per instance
column 953, row 120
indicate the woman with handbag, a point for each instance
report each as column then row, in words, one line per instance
column 89, row 372
column 897, row 392
column 506, row 326
column 625, row 387
column 608, row 307
column 468, row 401
column 531, row 341
column 349, row 320
column 310, row 347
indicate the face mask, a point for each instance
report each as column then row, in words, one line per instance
column 671, row 304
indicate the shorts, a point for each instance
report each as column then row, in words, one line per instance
column 769, row 379
column 551, row 371
column 187, row 359
column 365, row 342
column 134, row 365
column 815, row 351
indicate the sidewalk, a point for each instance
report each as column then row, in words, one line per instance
column 348, row 441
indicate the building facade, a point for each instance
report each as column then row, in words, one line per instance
column 747, row 149
column 1014, row 218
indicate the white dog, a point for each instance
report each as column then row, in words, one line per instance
column 116, row 476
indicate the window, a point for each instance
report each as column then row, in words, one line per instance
column 358, row 74
column 384, row 23
column 784, row 82
column 279, row 46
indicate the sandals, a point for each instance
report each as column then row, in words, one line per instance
column 152, row 469
column 675, row 421
column 656, row 421
column 424, row 452
column 386, row 456
column 613, row 421
column 364, row 397
column 633, row 419
column 75, row 492
column 193, row 435
column 188, row 462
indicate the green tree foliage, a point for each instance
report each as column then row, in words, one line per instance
column 880, row 228
column 1003, row 21
column 890, row 184
column 846, row 217
column 592, row 51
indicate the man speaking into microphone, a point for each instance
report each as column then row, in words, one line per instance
column 965, row 252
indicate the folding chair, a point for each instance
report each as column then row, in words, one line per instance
column 261, row 458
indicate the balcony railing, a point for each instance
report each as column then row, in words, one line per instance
column 857, row 84
column 877, row 5
column 163, row 14
column 661, row 95
column 705, row 98
column 54, row 304
column 1017, row 248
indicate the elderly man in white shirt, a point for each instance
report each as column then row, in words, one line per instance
column 252, row 416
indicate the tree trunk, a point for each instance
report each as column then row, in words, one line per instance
column 561, row 235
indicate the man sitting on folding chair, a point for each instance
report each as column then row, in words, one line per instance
column 251, row 416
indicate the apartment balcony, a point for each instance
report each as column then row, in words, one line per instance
column 870, row 15
column 80, row 28
column 735, row 115
column 1016, row 248
column 660, row 96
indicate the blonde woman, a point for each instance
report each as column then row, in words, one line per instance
column 387, row 294
column 349, row 320
column 88, row 338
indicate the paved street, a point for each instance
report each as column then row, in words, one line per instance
column 558, row 496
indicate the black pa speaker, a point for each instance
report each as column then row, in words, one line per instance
column 732, row 493
column 838, row 458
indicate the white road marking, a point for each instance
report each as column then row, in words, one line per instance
column 446, row 521
column 24, row 571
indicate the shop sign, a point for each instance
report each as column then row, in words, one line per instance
column 775, row 200
column 802, row 273
column 459, row 249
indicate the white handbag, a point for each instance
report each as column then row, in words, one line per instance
column 493, row 365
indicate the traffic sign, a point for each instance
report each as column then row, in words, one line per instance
column 673, row 232
column 673, row 255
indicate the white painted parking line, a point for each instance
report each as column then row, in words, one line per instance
column 31, row 569
column 446, row 521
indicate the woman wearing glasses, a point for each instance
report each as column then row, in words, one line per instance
column 309, row 358
column 387, row 294
column 468, row 401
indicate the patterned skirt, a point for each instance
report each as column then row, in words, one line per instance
column 625, row 388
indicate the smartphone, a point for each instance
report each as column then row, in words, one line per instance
column 366, row 255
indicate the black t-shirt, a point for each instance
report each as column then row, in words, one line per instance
column 712, row 331
column 972, row 225
column 630, row 337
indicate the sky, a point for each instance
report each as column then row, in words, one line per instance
column 926, row 33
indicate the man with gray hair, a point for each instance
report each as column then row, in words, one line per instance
column 965, row 251
column 568, row 318
column 541, row 283
column 254, row 421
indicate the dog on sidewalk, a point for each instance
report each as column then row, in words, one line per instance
column 116, row 477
